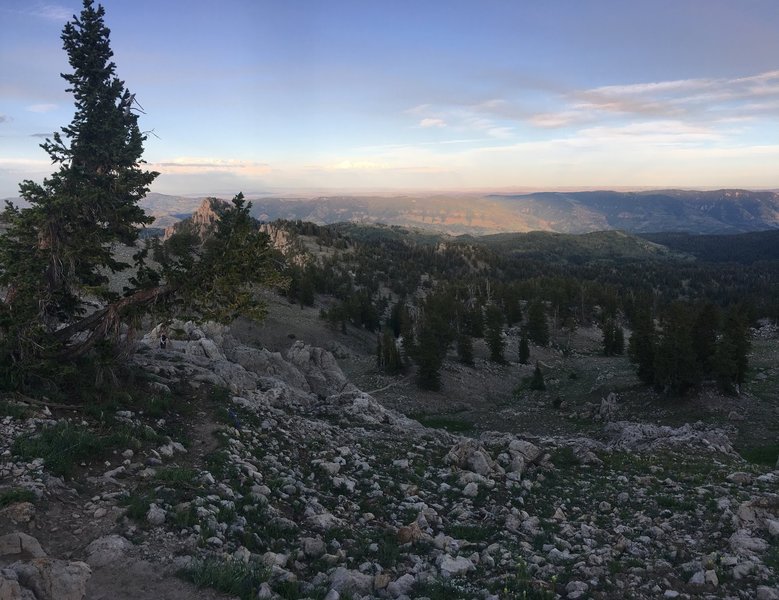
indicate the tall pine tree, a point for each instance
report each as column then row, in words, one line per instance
column 57, row 254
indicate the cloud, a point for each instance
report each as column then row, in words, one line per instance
column 41, row 135
column 41, row 108
column 52, row 12
column 357, row 165
column 25, row 165
column 432, row 122
column 196, row 165
column 704, row 99
column 478, row 117
column 651, row 132
column 4, row 118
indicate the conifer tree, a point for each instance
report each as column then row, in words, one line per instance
column 613, row 337
column 537, row 382
column 641, row 348
column 676, row 369
column 389, row 359
column 465, row 349
column 704, row 335
column 494, row 333
column 429, row 357
column 730, row 361
column 57, row 254
column 537, row 327
column 524, row 350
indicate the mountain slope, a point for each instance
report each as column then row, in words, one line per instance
column 699, row 212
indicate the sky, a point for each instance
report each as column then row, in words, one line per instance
column 365, row 95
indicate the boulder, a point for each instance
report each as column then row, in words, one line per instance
column 20, row 545
column 348, row 581
column 53, row 579
column 470, row 455
column 9, row 586
column 608, row 408
column 320, row 369
column 454, row 566
column 107, row 550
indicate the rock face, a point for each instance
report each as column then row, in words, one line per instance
column 320, row 370
column 202, row 221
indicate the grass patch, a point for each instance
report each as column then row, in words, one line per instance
column 64, row 446
column 444, row 422
column 564, row 458
column 761, row 455
column 137, row 505
column 440, row 590
column 153, row 405
column 473, row 533
column 674, row 503
column 16, row 495
column 229, row 576
column 177, row 475
column 8, row 408
column 389, row 551
column 520, row 584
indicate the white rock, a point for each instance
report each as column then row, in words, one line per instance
column 766, row 593
column 698, row 578
column 471, row 490
column 155, row 515
column 347, row 581
column 740, row 478
column 742, row 542
column 452, row 567
column 106, row 550
column 711, row 578
column 401, row 586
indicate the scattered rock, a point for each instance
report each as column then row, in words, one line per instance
column 106, row 550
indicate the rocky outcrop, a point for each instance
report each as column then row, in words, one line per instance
column 318, row 484
column 645, row 437
column 202, row 221
column 320, row 370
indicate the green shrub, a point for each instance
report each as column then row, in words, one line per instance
column 14, row 495
column 229, row 576
column 761, row 455
column 65, row 445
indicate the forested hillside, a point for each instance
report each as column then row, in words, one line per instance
column 427, row 294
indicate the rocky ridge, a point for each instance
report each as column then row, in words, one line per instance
column 307, row 487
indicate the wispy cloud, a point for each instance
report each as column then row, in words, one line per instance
column 4, row 118
column 702, row 100
column 51, row 12
column 478, row 118
column 41, row 108
column 194, row 165
column 432, row 122
column 41, row 135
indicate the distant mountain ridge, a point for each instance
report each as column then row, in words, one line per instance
column 726, row 211
column 718, row 211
